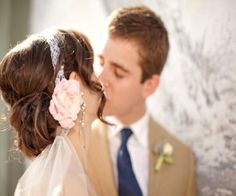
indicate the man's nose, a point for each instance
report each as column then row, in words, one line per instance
column 94, row 77
column 104, row 78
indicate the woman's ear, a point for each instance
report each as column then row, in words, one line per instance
column 150, row 85
column 73, row 75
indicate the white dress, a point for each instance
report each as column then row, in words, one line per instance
column 56, row 171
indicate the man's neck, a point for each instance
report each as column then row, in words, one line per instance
column 130, row 119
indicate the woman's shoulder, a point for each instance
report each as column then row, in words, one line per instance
column 50, row 170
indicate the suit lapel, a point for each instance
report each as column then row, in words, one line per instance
column 155, row 137
column 102, row 169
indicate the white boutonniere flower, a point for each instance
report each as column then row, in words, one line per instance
column 164, row 152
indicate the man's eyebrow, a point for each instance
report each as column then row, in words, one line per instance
column 116, row 65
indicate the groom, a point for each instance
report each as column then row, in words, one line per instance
column 136, row 156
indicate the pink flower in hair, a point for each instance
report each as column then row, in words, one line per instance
column 66, row 102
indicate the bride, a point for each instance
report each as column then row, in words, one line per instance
column 53, row 97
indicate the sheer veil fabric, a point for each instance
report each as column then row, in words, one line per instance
column 56, row 171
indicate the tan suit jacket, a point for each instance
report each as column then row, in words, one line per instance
column 176, row 179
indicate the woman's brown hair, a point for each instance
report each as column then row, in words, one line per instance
column 27, row 81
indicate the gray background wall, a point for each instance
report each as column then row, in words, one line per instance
column 14, row 17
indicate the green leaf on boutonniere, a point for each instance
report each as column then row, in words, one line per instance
column 168, row 159
column 159, row 163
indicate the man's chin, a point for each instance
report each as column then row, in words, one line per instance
column 108, row 111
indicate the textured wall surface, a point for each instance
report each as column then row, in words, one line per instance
column 197, row 97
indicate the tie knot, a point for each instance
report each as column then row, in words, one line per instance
column 125, row 133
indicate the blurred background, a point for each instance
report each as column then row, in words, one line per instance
column 196, row 100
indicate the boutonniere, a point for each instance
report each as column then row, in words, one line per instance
column 164, row 152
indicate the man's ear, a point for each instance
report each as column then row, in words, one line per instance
column 150, row 85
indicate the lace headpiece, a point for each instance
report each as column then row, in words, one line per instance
column 50, row 36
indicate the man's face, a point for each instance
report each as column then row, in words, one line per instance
column 121, row 78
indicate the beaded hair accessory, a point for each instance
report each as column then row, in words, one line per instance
column 50, row 36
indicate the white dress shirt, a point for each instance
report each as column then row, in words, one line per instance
column 137, row 146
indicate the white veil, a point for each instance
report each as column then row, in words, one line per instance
column 56, row 171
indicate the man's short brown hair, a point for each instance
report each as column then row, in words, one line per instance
column 145, row 28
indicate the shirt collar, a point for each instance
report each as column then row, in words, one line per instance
column 139, row 128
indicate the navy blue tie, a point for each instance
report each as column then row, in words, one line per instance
column 127, row 182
